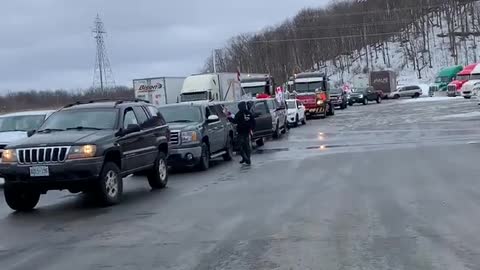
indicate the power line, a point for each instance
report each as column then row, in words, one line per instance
column 330, row 38
column 352, row 25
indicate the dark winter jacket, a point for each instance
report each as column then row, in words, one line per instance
column 244, row 119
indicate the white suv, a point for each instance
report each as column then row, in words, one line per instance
column 413, row 91
column 296, row 112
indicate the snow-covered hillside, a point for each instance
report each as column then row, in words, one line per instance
column 431, row 61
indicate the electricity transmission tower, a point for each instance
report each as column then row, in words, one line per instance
column 103, row 76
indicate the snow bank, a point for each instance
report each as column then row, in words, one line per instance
column 2, row 181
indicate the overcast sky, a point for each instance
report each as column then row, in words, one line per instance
column 48, row 44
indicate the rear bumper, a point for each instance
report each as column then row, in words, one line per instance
column 68, row 175
column 356, row 100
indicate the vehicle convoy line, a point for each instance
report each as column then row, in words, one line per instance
column 371, row 209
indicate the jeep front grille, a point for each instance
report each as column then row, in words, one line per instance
column 174, row 137
column 38, row 155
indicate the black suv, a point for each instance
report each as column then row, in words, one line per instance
column 264, row 120
column 200, row 132
column 87, row 147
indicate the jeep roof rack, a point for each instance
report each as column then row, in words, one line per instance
column 104, row 100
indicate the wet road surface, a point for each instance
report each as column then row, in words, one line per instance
column 389, row 186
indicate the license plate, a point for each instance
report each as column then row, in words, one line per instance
column 39, row 171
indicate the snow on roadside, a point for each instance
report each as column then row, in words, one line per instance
column 2, row 181
column 456, row 116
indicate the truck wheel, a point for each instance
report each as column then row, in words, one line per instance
column 379, row 99
column 110, row 185
column 229, row 148
column 20, row 200
column 204, row 163
column 397, row 96
column 365, row 101
column 296, row 121
column 260, row 142
column 158, row 175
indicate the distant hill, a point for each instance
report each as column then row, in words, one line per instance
column 416, row 38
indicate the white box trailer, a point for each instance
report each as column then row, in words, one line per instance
column 159, row 90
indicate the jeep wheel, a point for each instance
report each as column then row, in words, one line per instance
column 296, row 121
column 350, row 104
column 229, row 148
column 379, row 99
column 20, row 200
column 110, row 185
column 304, row 120
column 158, row 175
column 204, row 162
column 365, row 101
column 397, row 96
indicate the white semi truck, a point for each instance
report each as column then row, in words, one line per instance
column 213, row 86
column 159, row 90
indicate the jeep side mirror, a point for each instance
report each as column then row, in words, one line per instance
column 212, row 118
column 31, row 132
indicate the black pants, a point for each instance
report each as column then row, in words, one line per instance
column 244, row 145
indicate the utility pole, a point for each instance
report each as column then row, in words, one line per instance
column 214, row 57
column 103, row 76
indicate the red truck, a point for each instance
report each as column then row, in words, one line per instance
column 312, row 89
column 454, row 88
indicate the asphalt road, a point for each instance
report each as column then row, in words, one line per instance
column 389, row 186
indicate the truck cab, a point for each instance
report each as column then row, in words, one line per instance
column 455, row 86
column 474, row 80
column 443, row 78
column 200, row 87
column 254, row 86
column 312, row 89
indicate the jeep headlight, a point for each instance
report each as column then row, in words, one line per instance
column 189, row 136
column 9, row 156
column 360, row 96
column 319, row 102
column 82, row 151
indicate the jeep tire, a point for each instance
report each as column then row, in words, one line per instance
column 110, row 185
column 158, row 175
column 20, row 199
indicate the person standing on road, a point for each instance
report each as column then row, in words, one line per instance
column 245, row 122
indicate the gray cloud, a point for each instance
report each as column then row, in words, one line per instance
column 49, row 44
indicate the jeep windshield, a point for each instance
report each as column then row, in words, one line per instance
column 21, row 123
column 81, row 119
column 181, row 114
